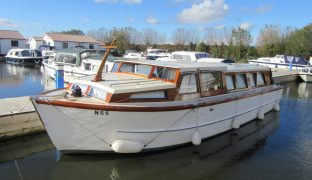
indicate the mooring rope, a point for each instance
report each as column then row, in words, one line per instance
column 169, row 127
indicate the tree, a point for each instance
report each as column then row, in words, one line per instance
column 201, row 47
column 74, row 32
column 272, row 40
column 182, row 37
column 241, row 39
column 299, row 42
column 101, row 34
column 152, row 37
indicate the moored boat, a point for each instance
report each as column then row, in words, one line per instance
column 23, row 57
column 281, row 61
column 148, row 105
column 153, row 54
column 193, row 56
column 76, row 62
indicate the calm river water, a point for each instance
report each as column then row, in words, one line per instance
column 278, row 147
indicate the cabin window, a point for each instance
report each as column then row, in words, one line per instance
column 91, row 46
column 260, row 79
column 201, row 55
column 14, row 43
column 97, row 93
column 188, row 84
column 142, row 69
column 230, row 82
column 149, row 95
column 179, row 57
column 252, row 79
column 87, row 66
column 67, row 58
column 211, row 81
column 127, row 68
column 115, row 67
column 241, row 81
column 25, row 53
column 65, row 45
column 164, row 73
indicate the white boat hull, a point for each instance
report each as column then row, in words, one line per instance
column 306, row 77
column 73, row 129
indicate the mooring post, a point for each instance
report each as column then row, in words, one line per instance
column 59, row 76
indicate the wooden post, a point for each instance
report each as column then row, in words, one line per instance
column 98, row 76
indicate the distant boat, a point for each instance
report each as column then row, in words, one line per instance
column 132, row 54
column 193, row 56
column 23, row 57
column 153, row 54
column 77, row 63
column 281, row 61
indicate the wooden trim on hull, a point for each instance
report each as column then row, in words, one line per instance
column 108, row 107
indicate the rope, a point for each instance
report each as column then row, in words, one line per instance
column 169, row 127
column 18, row 170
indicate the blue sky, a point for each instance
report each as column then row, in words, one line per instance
column 35, row 17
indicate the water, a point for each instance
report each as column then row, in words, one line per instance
column 278, row 147
column 22, row 81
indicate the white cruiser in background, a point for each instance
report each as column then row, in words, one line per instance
column 192, row 56
column 153, row 54
column 23, row 57
column 77, row 63
column 281, row 61
column 132, row 54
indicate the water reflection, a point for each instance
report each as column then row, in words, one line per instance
column 31, row 157
column 18, row 80
column 304, row 90
column 189, row 162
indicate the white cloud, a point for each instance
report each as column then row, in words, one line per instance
column 85, row 19
column 245, row 25
column 152, row 20
column 204, row 12
column 115, row 1
column 7, row 23
column 220, row 27
column 131, row 19
column 264, row 9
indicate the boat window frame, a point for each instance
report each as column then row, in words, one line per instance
column 197, row 84
column 232, row 75
column 174, row 80
column 220, row 90
column 263, row 78
column 245, row 80
column 150, row 76
column 65, row 63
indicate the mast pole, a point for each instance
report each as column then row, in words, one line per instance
column 99, row 73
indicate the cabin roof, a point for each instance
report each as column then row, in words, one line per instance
column 194, row 66
column 9, row 34
column 71, row 38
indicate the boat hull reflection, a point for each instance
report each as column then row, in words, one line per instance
column 212, row 155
